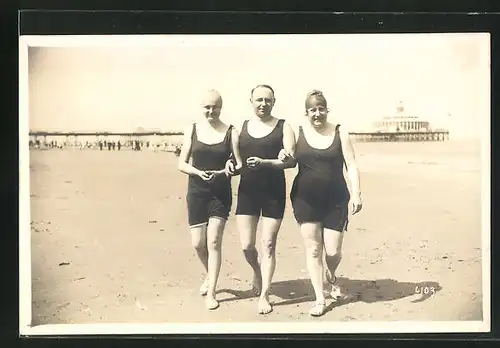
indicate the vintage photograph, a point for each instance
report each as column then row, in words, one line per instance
column 255, row 183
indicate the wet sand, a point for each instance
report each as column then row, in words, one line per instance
column 110, row 242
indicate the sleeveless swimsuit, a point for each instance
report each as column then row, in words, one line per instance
column 213, row 198
column 262, row 190
column 319, row 192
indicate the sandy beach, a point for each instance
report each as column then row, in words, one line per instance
column 110, row 241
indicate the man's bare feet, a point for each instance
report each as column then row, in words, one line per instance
column 257, row 284
column 265, row 306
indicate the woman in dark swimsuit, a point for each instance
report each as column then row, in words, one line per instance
column 320, row 196
column 209, row 144
column 262, row 189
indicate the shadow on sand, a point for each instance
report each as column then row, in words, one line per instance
column 368, row 291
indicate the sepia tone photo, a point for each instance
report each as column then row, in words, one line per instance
column 255, row 183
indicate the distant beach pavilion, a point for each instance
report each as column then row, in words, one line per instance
column 402, row 127
column 401, row 122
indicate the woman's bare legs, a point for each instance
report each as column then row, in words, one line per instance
column 199, row 243
column 215, row 231
column 333, row 249
column 312, row 234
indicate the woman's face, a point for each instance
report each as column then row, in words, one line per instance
column 262, row 101
column 317, row 113
column 211, row 107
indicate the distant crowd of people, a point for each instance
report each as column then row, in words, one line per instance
column 37, row 144
column 135, row 145
column 111, row 145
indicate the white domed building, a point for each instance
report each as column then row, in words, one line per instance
column 401, row 123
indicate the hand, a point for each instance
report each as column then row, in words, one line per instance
column 206, row 175
column 356, row 204
column 216, row 173
column 254, row 162
column 283, row 156
column 229, row 168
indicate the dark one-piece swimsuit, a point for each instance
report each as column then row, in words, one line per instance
column 262, row 191
column 213, row 198
column 319, row 192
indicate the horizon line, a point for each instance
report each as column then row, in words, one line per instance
column 44, row 132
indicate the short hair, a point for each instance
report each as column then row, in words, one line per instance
column 216, row 93
column 261, row 86
column 315, row 94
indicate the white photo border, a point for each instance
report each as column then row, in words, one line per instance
column 25, row 286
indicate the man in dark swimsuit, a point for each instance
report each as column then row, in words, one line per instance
column 262, row 189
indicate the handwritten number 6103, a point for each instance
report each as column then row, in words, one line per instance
column 426, row 290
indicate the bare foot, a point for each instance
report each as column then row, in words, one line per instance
column 257, row 284
column 337, row 294
column 265, row 306
column 204, row 287
column 318, row 309
column 211, row 303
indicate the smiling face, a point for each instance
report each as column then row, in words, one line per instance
column 316, row 110
column 211, row 106
column 262, row 101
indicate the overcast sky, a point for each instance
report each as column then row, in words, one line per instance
column 159, row 83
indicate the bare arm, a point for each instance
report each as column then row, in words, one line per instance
column 350, row 162
column 183, row 161
column 235, row 148
column 234, row 164
column 288, row 146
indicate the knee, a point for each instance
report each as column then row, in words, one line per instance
column 248, row 247
column 199, row 245
column 335, row 253
column 315, row 251
column 268, row 248
column 214, row 245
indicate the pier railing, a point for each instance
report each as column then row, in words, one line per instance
column 400, row 136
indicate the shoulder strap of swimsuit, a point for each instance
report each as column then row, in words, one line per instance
column 228, row 133
column 279, row 127
column 244, row 128
column 302, row 138
column 193, row 133
column 337, row 138
column 228, row 141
